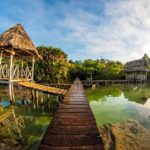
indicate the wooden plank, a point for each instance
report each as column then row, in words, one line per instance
column 73, row 126
column 73, row 106
column 93, row 147
column 70, row 140
column 73, row 121
column 43, row 88
column 75, row 110
column 73, row 130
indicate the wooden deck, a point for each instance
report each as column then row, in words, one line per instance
column 73, row 126
column 48, row 89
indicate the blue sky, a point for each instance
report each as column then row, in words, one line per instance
column 111, row 29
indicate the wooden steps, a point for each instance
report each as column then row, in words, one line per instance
column 73, row 126
column 51, row 90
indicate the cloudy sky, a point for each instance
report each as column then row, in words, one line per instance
column 111, row 29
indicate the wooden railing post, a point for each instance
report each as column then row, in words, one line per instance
column 33, row 62
column 10, row 68
column 1, row 57
column 21, row 74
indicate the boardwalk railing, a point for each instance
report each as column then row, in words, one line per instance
column 73, row 126
column 86, row 82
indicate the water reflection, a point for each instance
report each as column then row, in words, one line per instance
column 27, row 117
column 121, row 102
column 147, row 103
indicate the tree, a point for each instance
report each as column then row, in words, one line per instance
column 53, row 67
column 99, row 69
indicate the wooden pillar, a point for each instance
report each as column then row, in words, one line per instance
column 11, row 92
column 21, row 69
column 42, row 98
column 146, row 76
column 12, row 53
column 33, row 98
column 27, row 94
column 1, row 56
column 10, row 76
column 37, row 98
column 10, row 68
column 48, row 101
column 33, row 62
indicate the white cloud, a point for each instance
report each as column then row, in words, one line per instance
column 113, row 29
column 122, row 34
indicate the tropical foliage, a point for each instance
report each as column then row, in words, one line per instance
column 55, row 67
column 97, row 69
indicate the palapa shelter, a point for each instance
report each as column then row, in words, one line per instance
column 16, row 44
column 138, row 69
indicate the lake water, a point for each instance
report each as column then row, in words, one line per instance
column 28, row 119
column 117, row 103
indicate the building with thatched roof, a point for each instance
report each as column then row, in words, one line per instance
column 16, row 40
column 138, row 69
column 16, row 44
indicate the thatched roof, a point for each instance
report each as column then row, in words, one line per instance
column 17, row 40
column 142, row 64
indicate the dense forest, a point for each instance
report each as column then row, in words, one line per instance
column 56, row 68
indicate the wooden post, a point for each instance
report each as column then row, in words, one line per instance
column 10, row 68
column 33, row 98
column 48, row 100
column 10, row 77
column 11, row 92
column 18, row 74
column 33, row 62
column 42, row 98
column 1, row 57
column 22, row 69
column 37, row 98
column 12, row 53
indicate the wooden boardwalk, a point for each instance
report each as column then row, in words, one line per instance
column 73, row 126
column 48, row 89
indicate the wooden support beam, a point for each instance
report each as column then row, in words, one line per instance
column 1, row 56
column 33, row 62
column 10, row 68
column 22, row 69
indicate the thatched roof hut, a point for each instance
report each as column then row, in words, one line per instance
column 142, row 64
column 16, row 40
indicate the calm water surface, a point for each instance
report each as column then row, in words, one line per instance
column 26, row 120
column 119, row 103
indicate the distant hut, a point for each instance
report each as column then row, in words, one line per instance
column 16, row 44
column 138, row 69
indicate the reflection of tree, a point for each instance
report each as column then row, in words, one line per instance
column 137, row 93
column 24, row 123
column 100, row 93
